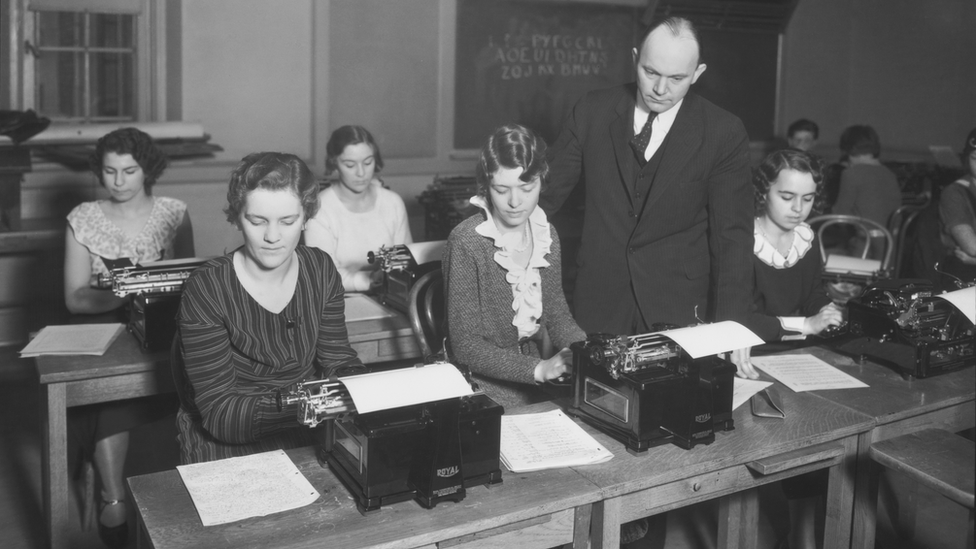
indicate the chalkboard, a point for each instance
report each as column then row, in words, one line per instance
column 530, row 61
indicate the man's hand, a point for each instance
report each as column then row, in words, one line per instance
column 743, row 366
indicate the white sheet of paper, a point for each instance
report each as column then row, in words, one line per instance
column 258, row 485
column 712, row 339
column 964, row 300
column 405, row 386
column 425, row 252
column 743, row 389
column 360, row 307
column 854, row 265
column 805, row 372
column 76, row 339
column 532, row 442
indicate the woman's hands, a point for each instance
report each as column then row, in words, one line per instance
column 555, row 366
column 743, row 365
column 829, row 315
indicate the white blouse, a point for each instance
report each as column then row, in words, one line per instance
column 768, row 254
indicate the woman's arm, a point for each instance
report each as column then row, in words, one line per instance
column 319, row 234
column 846, row 195
column 183, row 243
column 231, row 410
column 965, row 238
column 79, row 296
column 403, row 234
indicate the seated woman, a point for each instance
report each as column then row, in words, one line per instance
column 357, row 215
column 262, row 317
column 502, row 275
column 132, row 224
column 957, row 213
column 789, row 297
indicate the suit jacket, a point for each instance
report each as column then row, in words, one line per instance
column 661, row 240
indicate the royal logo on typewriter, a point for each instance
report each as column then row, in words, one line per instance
column 448, row 472
column 703, row 418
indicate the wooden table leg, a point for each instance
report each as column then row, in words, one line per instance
column 54, row 462
column 738, row 520
column 840, row 497
column 865, row 496
column 605, row 524
column 581, row 526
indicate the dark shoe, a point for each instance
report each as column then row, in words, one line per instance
column 115, row 537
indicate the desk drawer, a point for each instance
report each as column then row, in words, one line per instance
column 543, row 532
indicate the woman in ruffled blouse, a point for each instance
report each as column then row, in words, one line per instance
column 789, row 301
column 506, row 311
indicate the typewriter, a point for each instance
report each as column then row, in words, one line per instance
column 402, row 265
column 429, row 452
column 645, row 390
column 156, row 289
column 901, row 324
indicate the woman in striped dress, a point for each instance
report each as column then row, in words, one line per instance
column 262, row 317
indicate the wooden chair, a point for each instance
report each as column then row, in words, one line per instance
column 427, row 313
column 899, row 224
column 935, row 458
column 841, row 286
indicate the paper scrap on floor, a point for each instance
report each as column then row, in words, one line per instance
column 360, row 307
column 743, row 389
column 233, row 489
column 77, row 339
column 532, row 442
column 805, row 372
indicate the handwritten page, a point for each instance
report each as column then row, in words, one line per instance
column 964, row 300
column 854, row 265
column 805, row 373
column 712, row 339
column 425, row 252
column 532, row 442
column 360, row 307
column 258, row 485
column 405, row 386
column 77, row 339
column 743, row 389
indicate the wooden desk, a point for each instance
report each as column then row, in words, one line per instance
column 530, row 510
column 127, row 372
column 815, row 434
column 897, row 406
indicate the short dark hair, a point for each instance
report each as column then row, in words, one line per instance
column 803, row 125
column 512, row 146
column 676, row 25
column 134, row 142
column 342, row 138
column 769, row 169
column 860, row 140
column 969, row 146
column 273, row 171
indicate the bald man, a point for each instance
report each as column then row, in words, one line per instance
column 668, row 225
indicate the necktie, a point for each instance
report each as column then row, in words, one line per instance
column 640, row 141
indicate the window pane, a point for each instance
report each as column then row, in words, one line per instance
column 60, row 84
column 111, row 30
column 113, row 85
column 60, row 28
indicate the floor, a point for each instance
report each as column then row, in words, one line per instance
column 153, row 447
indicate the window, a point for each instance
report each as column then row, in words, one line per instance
column 84, row 66
column 92, row 61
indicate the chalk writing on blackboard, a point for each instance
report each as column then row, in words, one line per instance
column 530, row 61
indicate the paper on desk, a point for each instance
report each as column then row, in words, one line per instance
column 405, row 386
column 360, row 307
column 425, row 252
column 76, row 339
column 532, row 442
column 712, row 339
column 854, row 265
column 258, row 485
column 964, row 300
column 805, row 372
column 743, row 389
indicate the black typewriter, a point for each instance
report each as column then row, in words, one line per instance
column 401, row 269
column 902, row 325
column 645, row 390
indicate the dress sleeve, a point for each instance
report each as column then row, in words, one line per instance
column 321, row 233
column 402, row 234
column 846, row 194
column 469, row 344
column 230, row 410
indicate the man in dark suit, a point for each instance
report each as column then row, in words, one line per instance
column 668, row 223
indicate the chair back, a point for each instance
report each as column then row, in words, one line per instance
column 178, row 367
column 427, row 313
column 869, row 227
column 899, row 224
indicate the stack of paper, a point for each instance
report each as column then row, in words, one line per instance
column 532, row 442
column 80, row 339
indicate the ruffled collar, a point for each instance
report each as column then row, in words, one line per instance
column 768, row 254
